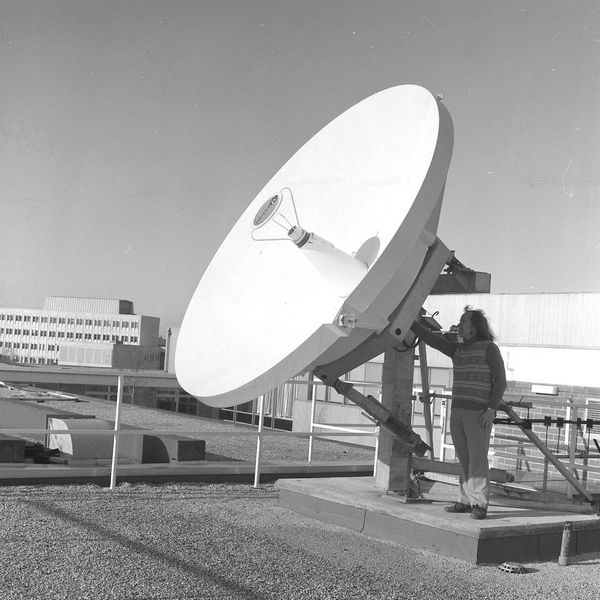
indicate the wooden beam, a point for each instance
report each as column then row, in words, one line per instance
column 425, row 398
column 435, row 466
column 393, row 459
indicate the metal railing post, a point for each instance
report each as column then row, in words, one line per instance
column 375, row 461
column 115, row 454
column 572, row 444
column 313, row 412
column 261, row 405
column 444, row 428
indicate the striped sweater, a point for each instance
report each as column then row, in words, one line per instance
column 479, row 375
column 472, row 383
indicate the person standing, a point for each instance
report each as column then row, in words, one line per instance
column 479, row 382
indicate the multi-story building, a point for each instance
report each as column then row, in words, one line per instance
column 92, row 332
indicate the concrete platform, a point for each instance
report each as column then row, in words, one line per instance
column 509, row 533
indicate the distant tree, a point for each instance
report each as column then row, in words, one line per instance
column 133, row 383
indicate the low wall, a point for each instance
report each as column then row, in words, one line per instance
column 81, row 444
column 31, row 414
column 136, row 449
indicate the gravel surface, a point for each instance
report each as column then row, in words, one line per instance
column 279, row 448
column 218, row 541
column 230, row 541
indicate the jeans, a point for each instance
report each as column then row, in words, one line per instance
column 471, row 443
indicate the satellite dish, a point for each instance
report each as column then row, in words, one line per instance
column 324, row 254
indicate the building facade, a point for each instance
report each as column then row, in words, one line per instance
column 80, row 332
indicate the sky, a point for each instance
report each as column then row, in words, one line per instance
column 133, row 133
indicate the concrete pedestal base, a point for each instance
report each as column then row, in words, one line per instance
column 507, row 534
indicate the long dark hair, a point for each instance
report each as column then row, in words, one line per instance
column 480, row 323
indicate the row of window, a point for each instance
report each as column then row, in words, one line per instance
column 69, row 321
column 27, row 346
column 71, row 335
column 44, row 360
column 35, row 360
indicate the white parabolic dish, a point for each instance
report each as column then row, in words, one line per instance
column 262, row 312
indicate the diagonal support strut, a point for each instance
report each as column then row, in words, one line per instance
column 535, row 440
column 384, row 418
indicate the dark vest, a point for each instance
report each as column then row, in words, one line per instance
column 472, row 382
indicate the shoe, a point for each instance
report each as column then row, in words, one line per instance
column 458, row 507
column 478, row 512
